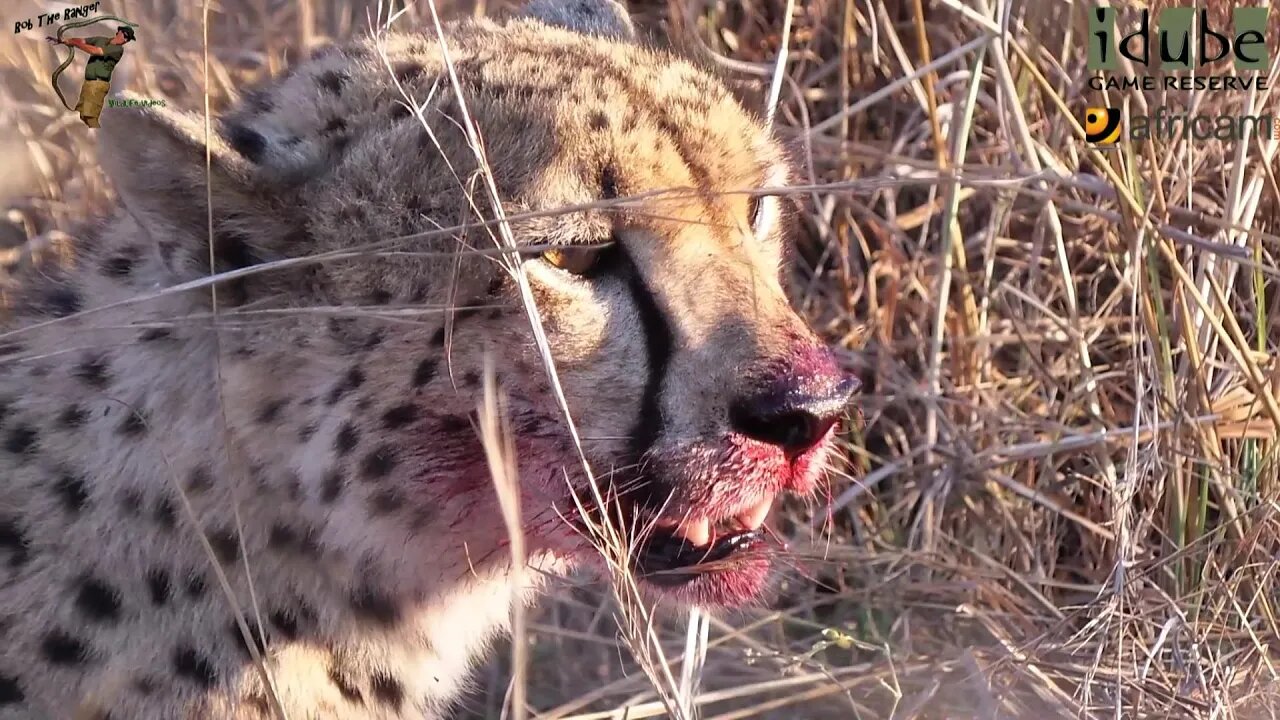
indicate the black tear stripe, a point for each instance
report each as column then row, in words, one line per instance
column 659, row 342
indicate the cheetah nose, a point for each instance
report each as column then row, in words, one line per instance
column 794, row 417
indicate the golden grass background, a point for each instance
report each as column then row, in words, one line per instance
column 1063, row 498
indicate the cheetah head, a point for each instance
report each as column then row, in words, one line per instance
column 367, row 294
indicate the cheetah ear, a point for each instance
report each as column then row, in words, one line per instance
column 156, row 159
column 603, row 18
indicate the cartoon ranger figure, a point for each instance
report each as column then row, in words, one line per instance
column 104, row 54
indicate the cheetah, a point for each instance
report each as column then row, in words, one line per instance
column 264, row 492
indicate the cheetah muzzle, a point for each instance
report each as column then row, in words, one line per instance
column 278, row 498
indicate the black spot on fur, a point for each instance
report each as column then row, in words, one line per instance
column 608, row 182
column 385, row 502
column 22, row 440
column 233, row 251
column 400, row 111
column 293, row 484
column 199, row 479
column 270, row 411
column 159, row 586
column 72, row 492
column 146, row 685
column 353, row 379
column 470, row 310
column 167, row 251
column 13, row 539
column 60, row 648
column 425, row 371
column 437, row 340
column 346, row 439
column 121, row 265
column 72, row 417
column 249, row 143
column 336, row 125
column 225, row 545
column 451, row 424
column 331, row 487
column 399, row 416
column 378, row 463
column 259, row 101
column 284, row 538
column 131, row 502
column 94, row 371
column 195, row 585
column 306, row 431
column 406, row 71
column 427, row 143
column 97, row 600
column 597, row 120
column 62, row 302
column 331, row 81
column 307, row 543
column 154, row 334
column 10, row 691
column 190, row 664
column 387, row 690
column 164, row 513
column 379, row 297
column 371, row 604
column 286, row 623
column 346, row 687
column 255, row 637
column 133, row 424
column 421, row 518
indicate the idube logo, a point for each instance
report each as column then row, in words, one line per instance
column 1180, row 46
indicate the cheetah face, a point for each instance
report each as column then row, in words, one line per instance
column 699, row 396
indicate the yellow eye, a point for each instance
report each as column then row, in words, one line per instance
column 576, row 259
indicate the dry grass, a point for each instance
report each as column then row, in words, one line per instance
column 1066, row 493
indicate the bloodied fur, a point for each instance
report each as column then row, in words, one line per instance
column 317, row 450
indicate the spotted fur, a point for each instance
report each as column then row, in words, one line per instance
column 202, row 516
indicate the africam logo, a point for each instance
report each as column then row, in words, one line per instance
column 1103, row 125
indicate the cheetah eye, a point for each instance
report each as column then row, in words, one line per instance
column 576, row 259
